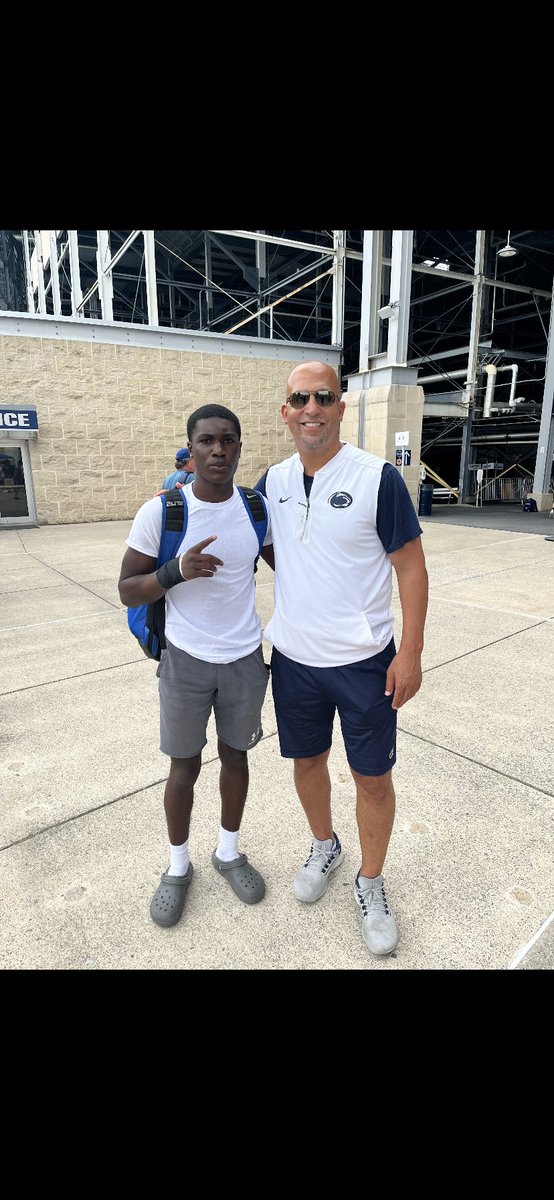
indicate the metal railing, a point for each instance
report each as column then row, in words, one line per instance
column 510, row 488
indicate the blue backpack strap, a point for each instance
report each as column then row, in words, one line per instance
column 150, row 618
column 174, row 524
column 255, row 506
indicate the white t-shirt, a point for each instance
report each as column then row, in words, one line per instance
column 213, row 618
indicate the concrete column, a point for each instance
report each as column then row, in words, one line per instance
column 374, row 414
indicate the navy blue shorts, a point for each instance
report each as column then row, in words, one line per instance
column 306, row 699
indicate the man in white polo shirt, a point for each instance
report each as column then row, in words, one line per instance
column 341, row 519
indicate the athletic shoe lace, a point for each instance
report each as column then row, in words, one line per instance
column 373, row 898
column 319, row 859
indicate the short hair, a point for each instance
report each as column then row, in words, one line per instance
column 211, row 410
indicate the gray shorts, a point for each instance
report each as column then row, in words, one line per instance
column 190, row 688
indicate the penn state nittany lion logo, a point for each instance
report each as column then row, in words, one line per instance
column 340, row 500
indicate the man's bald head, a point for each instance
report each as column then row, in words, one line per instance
column 313, row 375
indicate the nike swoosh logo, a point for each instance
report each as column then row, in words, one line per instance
column 283, row 499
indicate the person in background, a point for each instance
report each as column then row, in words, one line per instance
column 213, row 661
column 341, row 520
column 183, row 473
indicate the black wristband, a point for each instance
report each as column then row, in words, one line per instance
column 169, row 574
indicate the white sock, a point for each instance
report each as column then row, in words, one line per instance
column 327, row 843
column 179, row 859
column 227, row 845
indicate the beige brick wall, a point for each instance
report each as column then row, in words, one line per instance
column 111, row 418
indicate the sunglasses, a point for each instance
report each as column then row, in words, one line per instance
column 300, row 399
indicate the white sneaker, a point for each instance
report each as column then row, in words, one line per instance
column 312, row 880
column 378, row 924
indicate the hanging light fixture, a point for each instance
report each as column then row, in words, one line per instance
column 507, row 251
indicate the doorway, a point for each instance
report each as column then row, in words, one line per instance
column 17, row 499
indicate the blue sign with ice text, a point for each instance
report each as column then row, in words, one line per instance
column 18, row 418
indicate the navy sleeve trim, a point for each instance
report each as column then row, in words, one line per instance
column 397, row 521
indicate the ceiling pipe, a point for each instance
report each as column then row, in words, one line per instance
column 489, row 392
column 491, row 371
column 458, row 373
column 513, row 368
column 436, row 378
column 512, row 400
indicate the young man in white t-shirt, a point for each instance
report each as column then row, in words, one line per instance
column 213, row 660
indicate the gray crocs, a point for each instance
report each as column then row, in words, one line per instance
column 169, row 900
column 244, row 879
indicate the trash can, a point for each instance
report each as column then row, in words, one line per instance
column 425, row 500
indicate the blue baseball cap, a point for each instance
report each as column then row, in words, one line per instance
column 182, row 455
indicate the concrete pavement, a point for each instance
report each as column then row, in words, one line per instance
column 82, row 831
